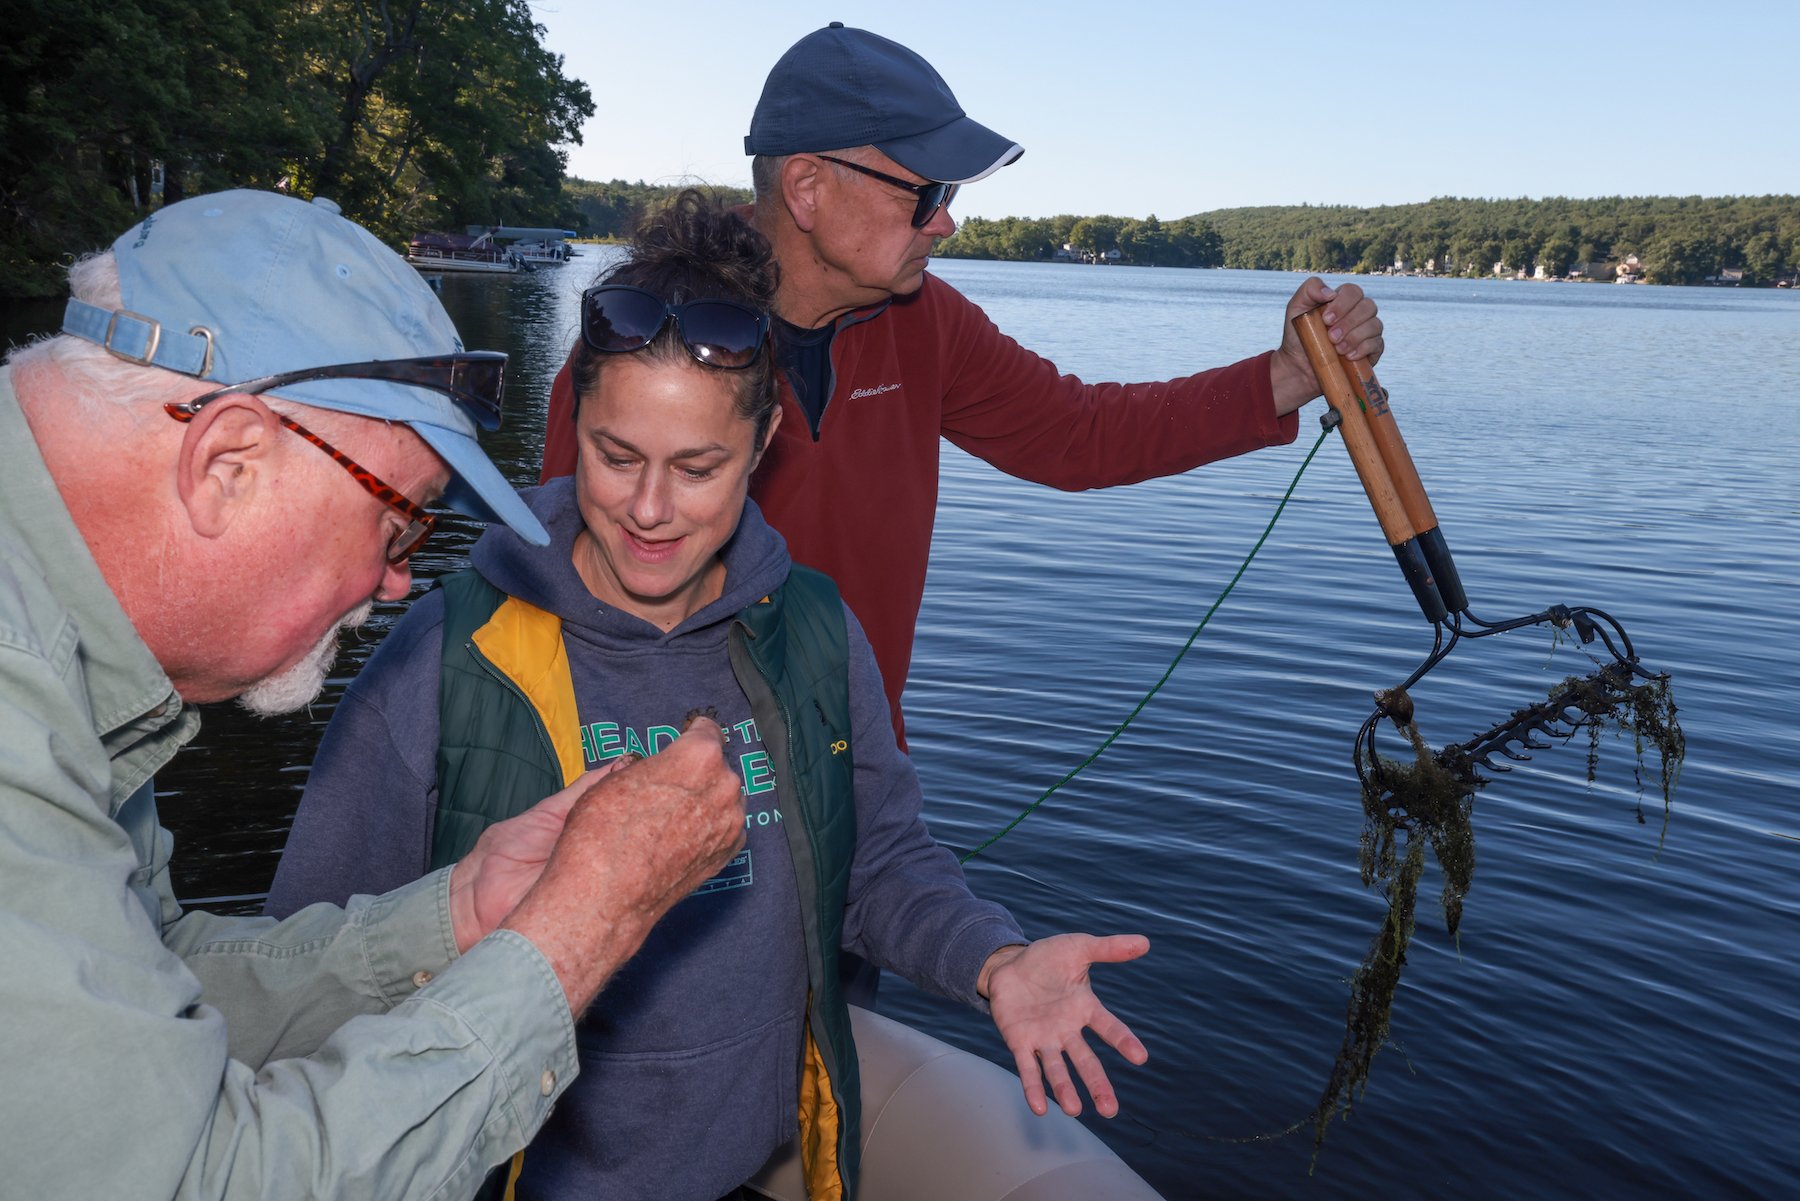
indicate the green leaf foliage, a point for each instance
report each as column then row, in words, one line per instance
column 1679, row 240
column 411, row 114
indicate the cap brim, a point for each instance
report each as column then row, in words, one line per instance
column 476, row 487
column 961, row 152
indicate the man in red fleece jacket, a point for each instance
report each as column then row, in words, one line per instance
column 860, row 147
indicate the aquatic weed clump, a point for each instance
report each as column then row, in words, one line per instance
column 1406, row 807
column 1429, row 801
column 1645, row 711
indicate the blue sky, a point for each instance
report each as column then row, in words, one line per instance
column 1179, row 108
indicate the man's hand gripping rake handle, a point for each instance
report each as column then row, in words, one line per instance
column 1387, row 473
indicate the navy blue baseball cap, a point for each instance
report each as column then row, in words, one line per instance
column 234, row 286
column 838, row 88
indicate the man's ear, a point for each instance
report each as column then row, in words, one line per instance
column 223, row 455
column 802, row 178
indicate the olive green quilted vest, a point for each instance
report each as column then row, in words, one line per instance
column 509, row 737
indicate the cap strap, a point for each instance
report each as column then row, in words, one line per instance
column 139, row 339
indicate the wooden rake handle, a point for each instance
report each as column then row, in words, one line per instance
column 1372, row 467
column 1359, row 439
column 1398, row 460
column 1373, row 400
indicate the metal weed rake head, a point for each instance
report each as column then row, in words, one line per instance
column 1575, row 705
column 1361, row 411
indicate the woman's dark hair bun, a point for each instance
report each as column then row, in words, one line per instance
column 695, row 248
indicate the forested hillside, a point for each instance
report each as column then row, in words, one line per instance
column 411, row 114
column 1189, row 242
column 612, row 209
column 1680, row 240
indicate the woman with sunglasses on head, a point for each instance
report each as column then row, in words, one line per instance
column 664, row 593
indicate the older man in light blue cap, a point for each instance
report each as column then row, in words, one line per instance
column 305, row 288
column 227, row 455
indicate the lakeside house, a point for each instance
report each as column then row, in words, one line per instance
column 1630, row 271
column 1068, row 252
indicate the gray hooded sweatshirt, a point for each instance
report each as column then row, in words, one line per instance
column 690, row 1057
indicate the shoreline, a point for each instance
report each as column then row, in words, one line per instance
column 1523, row 279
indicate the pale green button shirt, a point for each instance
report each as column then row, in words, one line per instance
column 344, row 1053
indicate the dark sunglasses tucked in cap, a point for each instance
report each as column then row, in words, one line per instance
column 618, row 318
column 474, row 379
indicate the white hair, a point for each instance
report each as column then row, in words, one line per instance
column 99, row 380
column 91, row 375
column 297, row 687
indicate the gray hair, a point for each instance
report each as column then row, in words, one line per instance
column 90, row 375
column 765, row 171
column 99, row 380
column 765, row 177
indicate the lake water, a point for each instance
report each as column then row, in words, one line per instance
column 1614, row 1022
column 1617, row 1023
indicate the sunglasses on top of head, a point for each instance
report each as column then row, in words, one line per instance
column 932, row 195
column 618, row 318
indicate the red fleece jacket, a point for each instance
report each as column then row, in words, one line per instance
column 859, row 502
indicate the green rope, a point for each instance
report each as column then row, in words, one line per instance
column 1180, row 655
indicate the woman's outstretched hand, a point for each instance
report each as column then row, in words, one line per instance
column 1042, row 1000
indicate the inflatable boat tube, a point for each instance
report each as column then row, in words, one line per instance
column 941, row 1124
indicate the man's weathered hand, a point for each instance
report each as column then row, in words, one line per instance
column 633, row 845
column 1355, row 330
column 1041, row 1001
column 508, row 859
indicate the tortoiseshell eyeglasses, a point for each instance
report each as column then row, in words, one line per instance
column 474, row 379
column 405, row 542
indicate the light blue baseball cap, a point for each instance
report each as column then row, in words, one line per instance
column 235, row 286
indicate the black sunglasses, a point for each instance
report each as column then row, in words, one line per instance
column 932, row 195
column 474, row 379
column 617, row 318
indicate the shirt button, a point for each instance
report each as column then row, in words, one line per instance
column 421, row 979
column 548, row 1084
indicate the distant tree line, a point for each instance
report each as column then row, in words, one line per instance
column 410, row 114
column 611, row 210
column 1189, row 242
column 1679, row 240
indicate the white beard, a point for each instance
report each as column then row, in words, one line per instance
column 295, row 688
